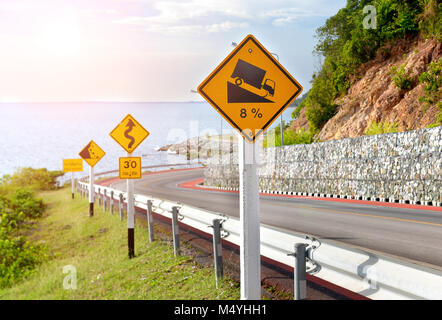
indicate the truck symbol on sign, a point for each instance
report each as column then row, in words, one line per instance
column 252, row 75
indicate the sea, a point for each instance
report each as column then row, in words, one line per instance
column 41, row 135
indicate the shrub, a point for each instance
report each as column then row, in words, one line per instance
column 17, row 259
column 430, row 20
column 401, row 78
column 291, row 137
column 17, row 205
column 381, row 127
column 35, row 179
column 432, row 81
column 23, row 201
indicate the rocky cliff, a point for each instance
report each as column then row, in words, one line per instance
column 373, row 95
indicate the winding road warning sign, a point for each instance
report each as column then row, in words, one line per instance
column 129, row 133
column 250, row 88
column 92, row 153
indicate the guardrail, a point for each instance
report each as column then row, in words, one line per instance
column 365, row 273
column 111, row 173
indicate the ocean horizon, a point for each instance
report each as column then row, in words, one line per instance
column 41, row 134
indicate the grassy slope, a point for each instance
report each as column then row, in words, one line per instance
column 97, row 247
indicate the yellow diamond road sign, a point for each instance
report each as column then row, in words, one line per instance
column 250, row 89
column 129, row 133
column 92, row 153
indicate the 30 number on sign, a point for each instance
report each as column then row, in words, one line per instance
column 130, row 164
column 130, row 168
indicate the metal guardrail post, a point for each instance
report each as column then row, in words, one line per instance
column 176, row 232
column 120, row 206
column 150, row 220
column 105, row 200
column 217, row 251
column 112, row 202
column 99, row 197
column 300, row 272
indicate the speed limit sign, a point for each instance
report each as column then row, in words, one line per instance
column 130, row 168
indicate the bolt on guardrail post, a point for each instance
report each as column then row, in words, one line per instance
column 300, row 272
column 150, row 220
column 217, row 251
column 120, row 206
column 175, row 231
column 112, row 202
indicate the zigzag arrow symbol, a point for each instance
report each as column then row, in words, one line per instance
column 130, row 126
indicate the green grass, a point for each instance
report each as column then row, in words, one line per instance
column 97, row 248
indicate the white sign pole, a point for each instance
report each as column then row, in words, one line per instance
column 250, row 256
column 91, row 191
column 130, row 215
column 72, row 182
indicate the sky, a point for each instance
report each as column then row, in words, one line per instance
column 144, row 50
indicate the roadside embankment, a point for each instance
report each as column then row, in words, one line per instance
column 92, row 252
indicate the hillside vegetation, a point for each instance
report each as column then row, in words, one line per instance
column 19, row 210
column 353, row 46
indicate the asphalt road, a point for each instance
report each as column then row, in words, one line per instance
column 411, row 234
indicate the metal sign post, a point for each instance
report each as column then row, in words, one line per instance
column 72, row 165
column 73, row 185
column 129, row 134
column 91, row 191
column 250, row 257
column 250, row 89
column 130, row 216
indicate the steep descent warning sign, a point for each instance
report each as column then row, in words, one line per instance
column 250, row 88
column 92, row 153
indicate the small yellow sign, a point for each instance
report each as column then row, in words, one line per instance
column 250, row 88
column 72, row 165
column 130, row 168
column 92, row 153
column 129, row 133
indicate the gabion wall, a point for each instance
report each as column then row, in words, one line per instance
column 400, row 167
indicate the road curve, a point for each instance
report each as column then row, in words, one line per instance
column 411, row 234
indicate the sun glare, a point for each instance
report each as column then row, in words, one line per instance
column 61, row 37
